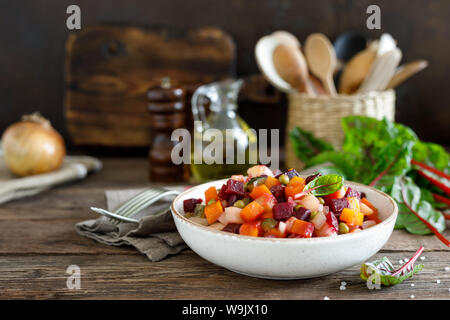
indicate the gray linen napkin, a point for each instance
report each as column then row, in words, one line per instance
column 155, row 235
column 73, row 168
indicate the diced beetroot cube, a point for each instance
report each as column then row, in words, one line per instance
column 278, row 192
column 232, row 227
column 222, row 193
column 292, row 173
column 302, row 213
column 352, row 193
column 232, row 199
column 235, row 187
column 332, row 220
column 189, row 204
column 337, row 205
column 312, row 177
column 282, row 211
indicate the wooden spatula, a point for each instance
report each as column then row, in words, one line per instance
column 357, row 70
column 405, row 72
column 321, row 59
column 381, row 72
column 292, row 68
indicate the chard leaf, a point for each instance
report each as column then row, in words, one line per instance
column 306, row 145
column 409, row 196
column 433, row 155
column 383, row 272
column 394, row 159
column 364, row 135
column 380, row 151
column 323, row 185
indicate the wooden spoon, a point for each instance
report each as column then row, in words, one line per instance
column 381, row 72
column 405, row 72
column 317, row 85
column 357, row 69
column 292, row 68
column 321, row 59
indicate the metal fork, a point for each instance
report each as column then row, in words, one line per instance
column 134, row 205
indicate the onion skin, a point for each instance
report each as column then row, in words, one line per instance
column 32, row 147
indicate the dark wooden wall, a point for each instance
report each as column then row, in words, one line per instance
column 33, row 34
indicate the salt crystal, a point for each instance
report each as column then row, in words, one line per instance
column 422, row 258
column 412, row 284
column 412, row 296
column 400, row 261
column 343, row 283
column 326, row 298
column 438, row 281
column 342, row 288
column 447, row 269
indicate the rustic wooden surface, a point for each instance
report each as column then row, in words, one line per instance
column 38, row 242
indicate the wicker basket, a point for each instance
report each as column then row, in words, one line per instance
column 322, row 116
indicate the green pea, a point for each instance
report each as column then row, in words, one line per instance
column 284, row 179
column 313, row 214
column 211, row 202
column 268, row 224
column 343, row 228
column 247, row 201
column 321, row 200
column 239, row 204
column 297, row 207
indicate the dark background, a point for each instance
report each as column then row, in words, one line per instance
column 33, row 35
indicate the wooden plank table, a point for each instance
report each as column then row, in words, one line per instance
column 38, row 242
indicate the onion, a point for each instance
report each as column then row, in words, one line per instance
column 32, row 146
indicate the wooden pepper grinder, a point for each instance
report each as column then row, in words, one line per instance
column 166, row 106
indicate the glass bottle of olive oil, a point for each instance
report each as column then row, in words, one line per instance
column 223, row 143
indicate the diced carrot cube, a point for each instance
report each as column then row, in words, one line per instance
column 252, row 211
column 252, row 229
column 374, row 215
column 271, row 181
column 259, row 191
column 268, row 201
column 211, row 194
column 213, row 212
column 300, row 227
column 296, row 180
column 275, row 232
column 352, row 217
column 267, row 215
column 369, row 204
column 295, row 186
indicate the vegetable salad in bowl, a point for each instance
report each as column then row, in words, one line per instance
column 283, row 205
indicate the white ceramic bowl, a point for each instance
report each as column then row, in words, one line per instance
column 285, row 258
